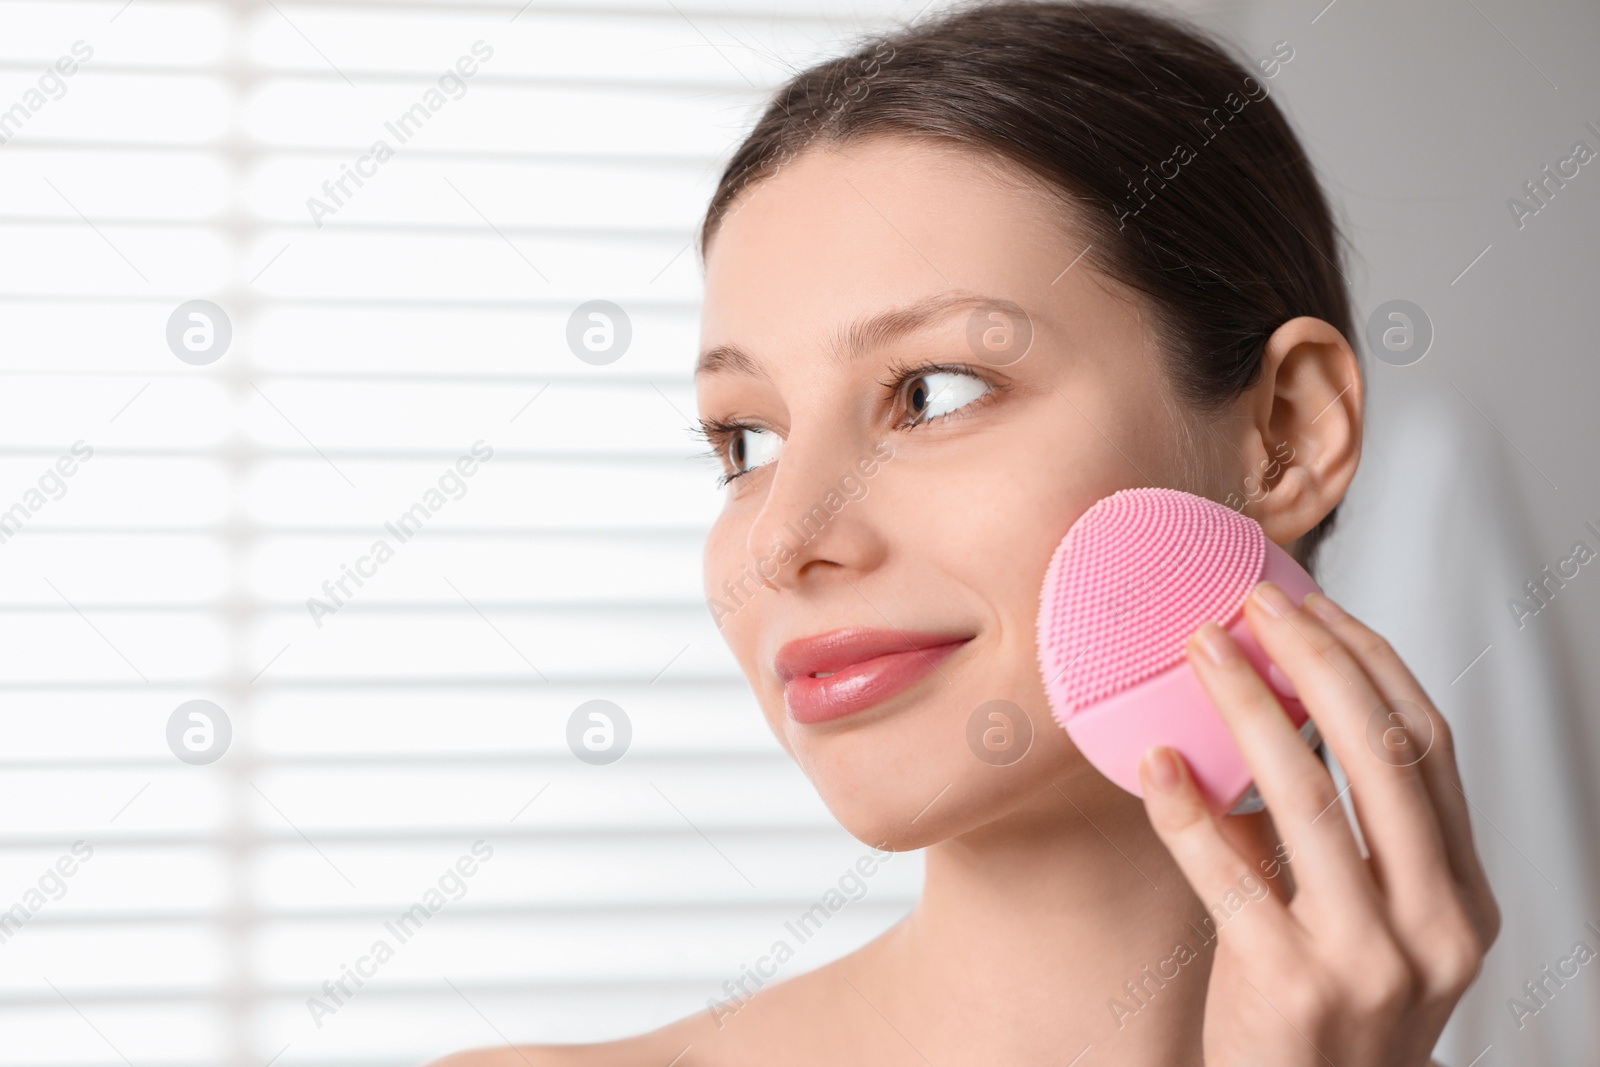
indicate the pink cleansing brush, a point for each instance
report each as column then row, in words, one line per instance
column 1134, row 577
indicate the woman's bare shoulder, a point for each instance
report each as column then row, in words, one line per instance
column 771, row 1027
column 682, row 1044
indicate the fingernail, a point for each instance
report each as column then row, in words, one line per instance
column 1323, row 607
column 1215, row 643
column 1272, row 598
column 1162, row 767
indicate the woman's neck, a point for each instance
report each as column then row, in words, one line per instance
column 1049, row 932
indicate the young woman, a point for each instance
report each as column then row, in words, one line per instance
column 960, row 285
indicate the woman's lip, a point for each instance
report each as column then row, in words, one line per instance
column 838, row 649
column 861, row 684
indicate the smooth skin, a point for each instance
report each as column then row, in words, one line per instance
column 1048, row 891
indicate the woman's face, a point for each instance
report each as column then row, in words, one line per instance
column 901, row 470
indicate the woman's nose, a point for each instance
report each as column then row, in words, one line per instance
column 818, row 516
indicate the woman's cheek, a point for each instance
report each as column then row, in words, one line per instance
column 733, row 588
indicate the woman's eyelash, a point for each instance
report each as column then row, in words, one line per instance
column 716, row 433
column 710, row 431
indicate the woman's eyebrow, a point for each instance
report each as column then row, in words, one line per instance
column 863, row 335
column 727, row 359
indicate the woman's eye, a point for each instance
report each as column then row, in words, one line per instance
column 937, row 393
column 751, row 447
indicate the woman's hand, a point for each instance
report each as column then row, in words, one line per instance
column 1364, row 964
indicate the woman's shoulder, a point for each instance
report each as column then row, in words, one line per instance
column 688, row 1042
column 772, row 1027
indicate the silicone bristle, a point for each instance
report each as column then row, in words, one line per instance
column 1134, row 577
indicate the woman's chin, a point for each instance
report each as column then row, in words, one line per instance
column 907, row 776
column 898, row 810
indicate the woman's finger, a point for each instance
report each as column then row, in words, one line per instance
column 1434, row 755
column 1400, row 826
column 1255, row 837
column 1226, row 883
column 1295, row 785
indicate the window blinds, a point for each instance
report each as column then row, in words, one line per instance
column 193, row 496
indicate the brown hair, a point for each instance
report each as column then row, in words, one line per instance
column 1188, row 182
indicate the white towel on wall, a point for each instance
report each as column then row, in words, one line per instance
column 1432, row 544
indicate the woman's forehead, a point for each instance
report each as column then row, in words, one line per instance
column 845, row 236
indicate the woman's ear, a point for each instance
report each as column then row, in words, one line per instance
column 1303, row 428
